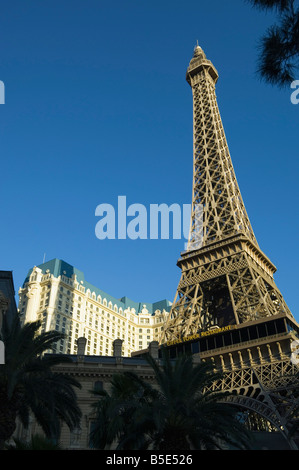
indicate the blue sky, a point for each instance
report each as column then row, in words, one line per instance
column 97, row 106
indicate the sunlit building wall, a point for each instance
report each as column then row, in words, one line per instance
column 58, row 295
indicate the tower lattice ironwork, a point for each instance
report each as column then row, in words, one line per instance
column 226, row 279
column 227, row 306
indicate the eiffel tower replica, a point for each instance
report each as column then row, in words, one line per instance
column 227, row 307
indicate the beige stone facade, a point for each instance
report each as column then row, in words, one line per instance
column 58, row 295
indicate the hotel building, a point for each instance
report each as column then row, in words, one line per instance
column 58, row 295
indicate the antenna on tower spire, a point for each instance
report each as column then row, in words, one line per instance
column 197, row 49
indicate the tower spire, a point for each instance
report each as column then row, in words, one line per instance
column 217, row 205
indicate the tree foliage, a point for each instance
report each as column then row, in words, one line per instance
column 29, row 384
column 178, row 413
column 278, row 60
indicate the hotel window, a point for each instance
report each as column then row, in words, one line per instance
column 44, row 320
column 57, row 322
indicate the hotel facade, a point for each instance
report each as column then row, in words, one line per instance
column 58, row 295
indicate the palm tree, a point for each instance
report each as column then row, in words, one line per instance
column 28, row 383
column 180, row 413
column 117, row 411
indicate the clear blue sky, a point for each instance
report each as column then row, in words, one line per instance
column 97, row 106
